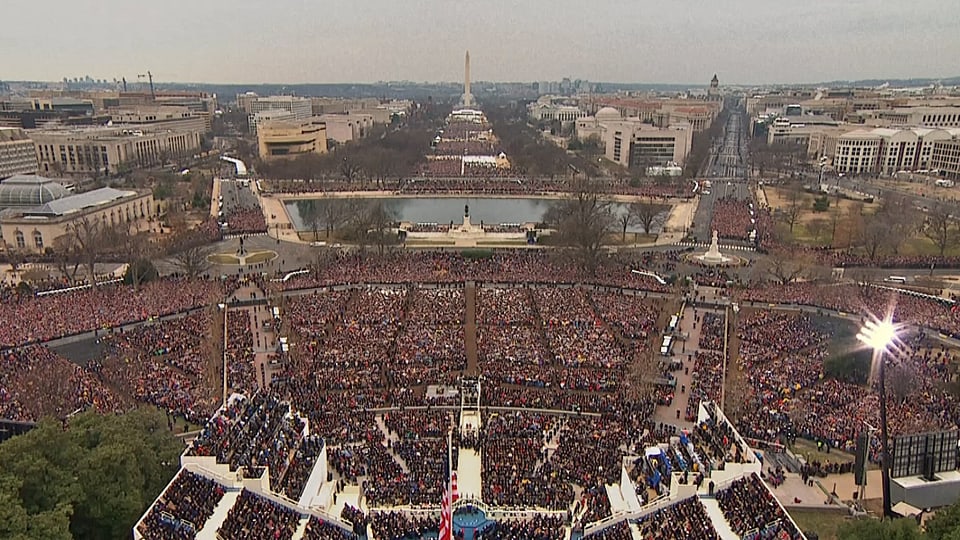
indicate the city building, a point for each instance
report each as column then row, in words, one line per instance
column 65, row 104
column 262, row 117
column 945, row 158
column 555, row 109
column 698, row 113
column 713, row 93
column 291, row 138
column 328, row 105
column 16, row 153
column 160, row 117
column 110, row 150
column 34, row 229
column 300, row 108
column 885, row 151
column 635, row 144
column 345, row 128
column 27, row 191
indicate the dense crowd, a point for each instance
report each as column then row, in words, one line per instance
column 246, row 221
column 166, row 363
column 40, row 318
column 537, row 528
column 686, row 519
column 253, row 517
column 36, row 382
column 782, row 356
column 182, row 509
column 749, row 506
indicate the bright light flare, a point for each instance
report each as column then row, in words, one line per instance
column 878, row 335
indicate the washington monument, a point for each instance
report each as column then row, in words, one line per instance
column 467, row 97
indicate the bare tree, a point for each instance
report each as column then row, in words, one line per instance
column 625, row 219
column 336, row 212
column 902, row 220
column 90, row 236
column 940, row 227
column 817, row 227
column 785, row 266
column 67, row 256
column 791, row 214
column 582, row 221
column 647, row 214
column 192, row 262
column 874, row 235
column 134, row 246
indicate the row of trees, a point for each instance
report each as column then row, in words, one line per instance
column 585, row 219
column 895, row 222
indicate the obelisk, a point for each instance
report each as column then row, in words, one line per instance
column 467, row 98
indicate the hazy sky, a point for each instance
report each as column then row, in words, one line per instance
column 687, row 41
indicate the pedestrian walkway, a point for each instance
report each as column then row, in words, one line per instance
column 683, row 352
column 470, row 329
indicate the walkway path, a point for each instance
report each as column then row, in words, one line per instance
column 470, row 329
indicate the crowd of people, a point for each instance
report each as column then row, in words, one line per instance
column 749, row 506
column 32, row 319
column 246, row 221
column 36, row 382
column 182, row 509
column 686, row 519
column 253, row 517
column 166, row 363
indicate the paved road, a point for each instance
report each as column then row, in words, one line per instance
column 726, row 171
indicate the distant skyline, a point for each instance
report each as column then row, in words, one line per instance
column 339, row 41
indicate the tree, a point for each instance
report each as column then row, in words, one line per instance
column 91, row 480
column 940, row 227
column 647, row 214
column 582, row 221
column 791, row 214
column 816, row 228
column 89, row 234
column 874, row 235
column 785, row 266
column 901, row 218
column 625, row 219
column 139, row 272
column 192, row 261
column 945, row 524
column 873, row 529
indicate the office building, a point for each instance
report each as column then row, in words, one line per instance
column 17, row 155
column 263, row 117
column 298, row 107
column 637, row 145
column 290, row 138
column 945, row 158
column 884, row 151
column 110, row 150
column 345, row 128
column 159, row 117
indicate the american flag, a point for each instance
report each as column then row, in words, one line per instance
column 446, row 514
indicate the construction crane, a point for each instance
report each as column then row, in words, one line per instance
column 149, row 77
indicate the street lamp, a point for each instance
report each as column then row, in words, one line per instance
column 880, row 335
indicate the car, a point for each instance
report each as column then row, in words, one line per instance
column 318, row 244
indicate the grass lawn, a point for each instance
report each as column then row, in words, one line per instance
column 804, row 233
column 825, row 524
column 253, row 258
column 261, row 256
column 808, row 449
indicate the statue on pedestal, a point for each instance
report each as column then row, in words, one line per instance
column 466, row 210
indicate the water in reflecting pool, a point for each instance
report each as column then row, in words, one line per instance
column 446, row 209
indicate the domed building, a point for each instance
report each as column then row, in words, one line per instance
column 608, row 114
column 27, row 191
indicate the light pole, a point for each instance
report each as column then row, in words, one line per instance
column 879, row 336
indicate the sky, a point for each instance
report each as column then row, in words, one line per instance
column 334, row 41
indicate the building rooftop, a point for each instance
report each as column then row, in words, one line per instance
column 29, row 191
column 78, row 202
